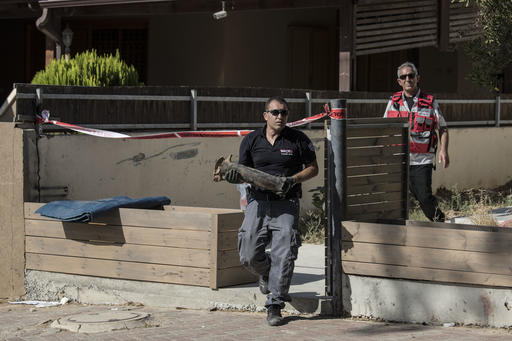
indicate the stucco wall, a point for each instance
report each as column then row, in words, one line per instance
column 182, row 169
column 480, row 157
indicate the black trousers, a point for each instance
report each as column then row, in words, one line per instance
column 420, row 184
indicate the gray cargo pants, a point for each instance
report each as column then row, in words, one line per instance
column 274, row 223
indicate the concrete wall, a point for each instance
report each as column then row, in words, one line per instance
column 12, row 230
column 182, row 169
column 480, row 157
column 426, row 302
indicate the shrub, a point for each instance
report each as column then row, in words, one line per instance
column 88, row 69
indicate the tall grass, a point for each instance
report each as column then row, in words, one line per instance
column 475, row 203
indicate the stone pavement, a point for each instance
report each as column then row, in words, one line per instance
column 22, row 322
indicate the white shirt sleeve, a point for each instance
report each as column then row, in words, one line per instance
column 441, row 122
column 387, row 108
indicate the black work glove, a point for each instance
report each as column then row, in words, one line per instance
column 233, row 176
column 288, row 184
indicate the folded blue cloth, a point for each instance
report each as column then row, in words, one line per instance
column 85, row 211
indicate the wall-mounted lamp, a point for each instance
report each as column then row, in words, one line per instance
column 222, row 13
column 67, row 39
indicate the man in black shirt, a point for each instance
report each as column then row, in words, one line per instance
column 272, row 218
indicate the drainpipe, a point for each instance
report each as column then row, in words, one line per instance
column 49, row 24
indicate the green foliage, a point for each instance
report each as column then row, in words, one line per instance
column 313, row 223
column 491, row 53
column 88, row 69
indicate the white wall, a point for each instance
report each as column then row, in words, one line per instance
column 480, row 157
column 182, row 169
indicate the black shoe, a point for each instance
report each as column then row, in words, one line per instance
column 274, row 317
column 263, row 284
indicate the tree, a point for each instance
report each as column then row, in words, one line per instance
column 88, row 69
column 492, row 52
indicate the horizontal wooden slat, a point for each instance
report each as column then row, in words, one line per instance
column 234, row 276
column 381, row 32
column 403, row 23
column 388, row 187
column 424, row 236
column 407, row 15
column 387, row 37
column 383, row 42
column 120, row 234
column 362, row 52
column 375, row 160
column 374, row 151
column 389, row 215
column 436, row 275
column 211, row 210
column 374, row 179
column 426, row 258
column 371, row 198
column 430, row 8
column 228, row 259
column 375, row 169
column 230, row 221
column 373, row 132
column 367, row 5
column 374, row 207
column 458, row 226
column 467, row 15
column 118, row 269
column 145, row 218
column 375, row 142
column 385, row 122
column 119, row 252
column 228, row 240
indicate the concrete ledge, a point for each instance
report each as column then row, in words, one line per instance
column 426, row 302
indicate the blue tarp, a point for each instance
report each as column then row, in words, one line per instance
column 85, row 211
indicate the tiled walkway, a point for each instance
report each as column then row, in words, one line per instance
column 27, row 323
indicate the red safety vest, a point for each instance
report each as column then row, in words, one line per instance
column 422, row 121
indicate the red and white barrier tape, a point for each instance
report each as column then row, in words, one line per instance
column 44, row 117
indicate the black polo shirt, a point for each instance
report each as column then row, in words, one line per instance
column 291, row 151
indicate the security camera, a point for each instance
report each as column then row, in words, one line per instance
column 220, row 15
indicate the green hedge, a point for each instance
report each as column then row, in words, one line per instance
column 88, row 69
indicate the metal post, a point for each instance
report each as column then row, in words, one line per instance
column 497, row 110
column 193, row 109
column 337, row 203
column 308, row 107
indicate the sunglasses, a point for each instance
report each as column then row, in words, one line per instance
column 276, row 112
column 410, row 75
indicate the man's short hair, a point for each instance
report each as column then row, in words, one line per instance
column 409, row 64
column 277, row 99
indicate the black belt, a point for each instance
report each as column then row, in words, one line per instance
column 270, row 196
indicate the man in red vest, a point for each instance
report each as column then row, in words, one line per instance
column 425, row 120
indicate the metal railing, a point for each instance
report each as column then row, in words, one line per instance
column 194, row 99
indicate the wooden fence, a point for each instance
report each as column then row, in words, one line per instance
column 190, row 108
column 377, row 169
column 181, row 245
column 438, row 252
